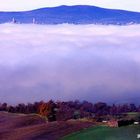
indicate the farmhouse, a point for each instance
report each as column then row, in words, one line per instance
column 112, row 123
column 119, row 123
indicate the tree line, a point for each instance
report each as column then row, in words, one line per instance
column 62, row 111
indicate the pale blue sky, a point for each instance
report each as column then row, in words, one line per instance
column 16, row 5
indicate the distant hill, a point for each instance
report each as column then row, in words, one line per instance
column 79, row 14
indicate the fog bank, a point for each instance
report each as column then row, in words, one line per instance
column 68, row 62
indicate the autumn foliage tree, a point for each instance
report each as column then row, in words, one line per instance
column 48, row 110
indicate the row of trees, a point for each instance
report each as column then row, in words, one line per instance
column 70, row 110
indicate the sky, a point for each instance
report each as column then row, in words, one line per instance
column 20, row 5
column 69, row 62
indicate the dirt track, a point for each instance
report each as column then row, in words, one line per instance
column 33, row 127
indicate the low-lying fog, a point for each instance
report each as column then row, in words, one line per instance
column 68, row 62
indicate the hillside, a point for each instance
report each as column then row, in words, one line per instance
column 33, row 127
column 80, row 14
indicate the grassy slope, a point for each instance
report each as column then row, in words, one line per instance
column 106, row 133
column 33, row 127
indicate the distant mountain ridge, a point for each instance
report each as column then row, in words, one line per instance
column 79, row 14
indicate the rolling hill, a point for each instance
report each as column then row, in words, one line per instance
column 79, row 14
column 33, row 127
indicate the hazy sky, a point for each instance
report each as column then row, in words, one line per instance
column 15, row 5
column 68, row 62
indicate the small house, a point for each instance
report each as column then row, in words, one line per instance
column 112, row 123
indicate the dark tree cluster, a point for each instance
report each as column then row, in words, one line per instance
column 62, row 111
column 21, row 108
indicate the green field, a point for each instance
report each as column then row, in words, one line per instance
column 106, row 133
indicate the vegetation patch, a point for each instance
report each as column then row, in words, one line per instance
column 106, row 133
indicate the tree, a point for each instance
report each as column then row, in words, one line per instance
column 48, row 110
column 65, row 112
